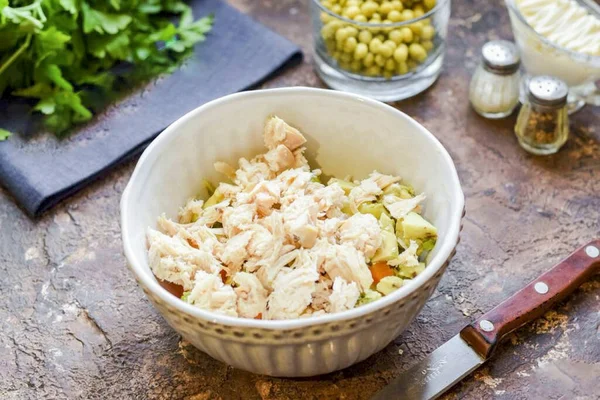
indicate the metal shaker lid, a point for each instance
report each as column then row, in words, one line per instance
column 548, row 91
column 500, row 57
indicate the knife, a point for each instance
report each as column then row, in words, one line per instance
column 461, row 355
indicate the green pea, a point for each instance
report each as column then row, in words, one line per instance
column 407, row 15
column 369, row 60
column 365, row 36
column 376, row 16
column 395, row 16
column 391, row 44
column 380, row 60
column 427, row 45
column 386, row 51
column 361, row 51
column 368, row 8
column 412, row 65
column 345, row 57
column 397, row 5
column 416, row 27
column 417, row 52
column 351, row 12
column 352, row 31
column 325, row 18
column 350, row 45
column 427, row 32
column 373, row 70
column 385, row 8
column 401, row 68
column 407, row 34
column 381, row 37
column 341, row 35
column 329, row 30
column 344, row 64
column 356, row 65
column 396, row 36
column 330, row 44
column 375, row 45
column 418, row 10
column 387, row 22
column 429, row 4
column 390, row 65
column 360, row 18
column 401, row 53
column 336, row 8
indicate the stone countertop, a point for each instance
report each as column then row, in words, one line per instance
column 74, row 324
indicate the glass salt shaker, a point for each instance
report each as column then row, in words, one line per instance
column 543, row 123
column 494, row 89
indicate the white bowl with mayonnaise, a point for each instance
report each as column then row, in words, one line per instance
column 560, row 38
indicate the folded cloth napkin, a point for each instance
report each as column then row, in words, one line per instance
column 40, row 170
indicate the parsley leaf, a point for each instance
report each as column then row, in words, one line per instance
column 63, row 53
column 4, row 134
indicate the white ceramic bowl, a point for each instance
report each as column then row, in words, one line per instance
column 347, row 135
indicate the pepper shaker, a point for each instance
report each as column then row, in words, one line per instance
column 543, row 122
column 494, row 89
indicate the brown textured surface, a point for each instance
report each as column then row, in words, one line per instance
column 73, row 323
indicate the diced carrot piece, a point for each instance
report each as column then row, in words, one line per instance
column 258, row 316
column 380, row 271
column 223, row 274
column 173, row 288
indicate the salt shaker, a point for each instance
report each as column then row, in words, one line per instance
column 494, row 90
column 543, row 122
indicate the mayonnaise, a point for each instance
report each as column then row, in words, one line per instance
column 564, row 23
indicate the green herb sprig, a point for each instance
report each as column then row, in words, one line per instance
column 58, row 51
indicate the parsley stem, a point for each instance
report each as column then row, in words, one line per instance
column 16, row 54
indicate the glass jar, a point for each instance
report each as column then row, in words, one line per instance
column 543, row 123
column 494, row 89
column 386, row 50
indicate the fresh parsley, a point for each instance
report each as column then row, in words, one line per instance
column 62, row 53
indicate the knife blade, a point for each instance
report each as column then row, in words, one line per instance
column 475, row 344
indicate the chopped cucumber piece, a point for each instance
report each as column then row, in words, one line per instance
column 402, row 191
column 406, row 272
column 416, row 227
column 347, row 186
column 389, row 284
column 386, row 222
column 388, row 249
column 376, row 209
column 216, row 198
column 367, row 297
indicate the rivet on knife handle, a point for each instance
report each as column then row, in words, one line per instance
column 533, row 300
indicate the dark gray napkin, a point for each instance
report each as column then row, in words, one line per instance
column 40, row 170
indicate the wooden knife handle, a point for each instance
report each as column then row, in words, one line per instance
column 533, row 300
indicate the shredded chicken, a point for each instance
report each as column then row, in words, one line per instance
column 400, row 207
column 292, row 293
column 278, row 132
column 382, row 180
column 276, row 243
column 211, row 294
column 251, row 295
column 362, row 231
column 343, row 296
column 408, row 257
column 347, row 262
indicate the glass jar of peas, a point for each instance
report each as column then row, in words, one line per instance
column 385, row 49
